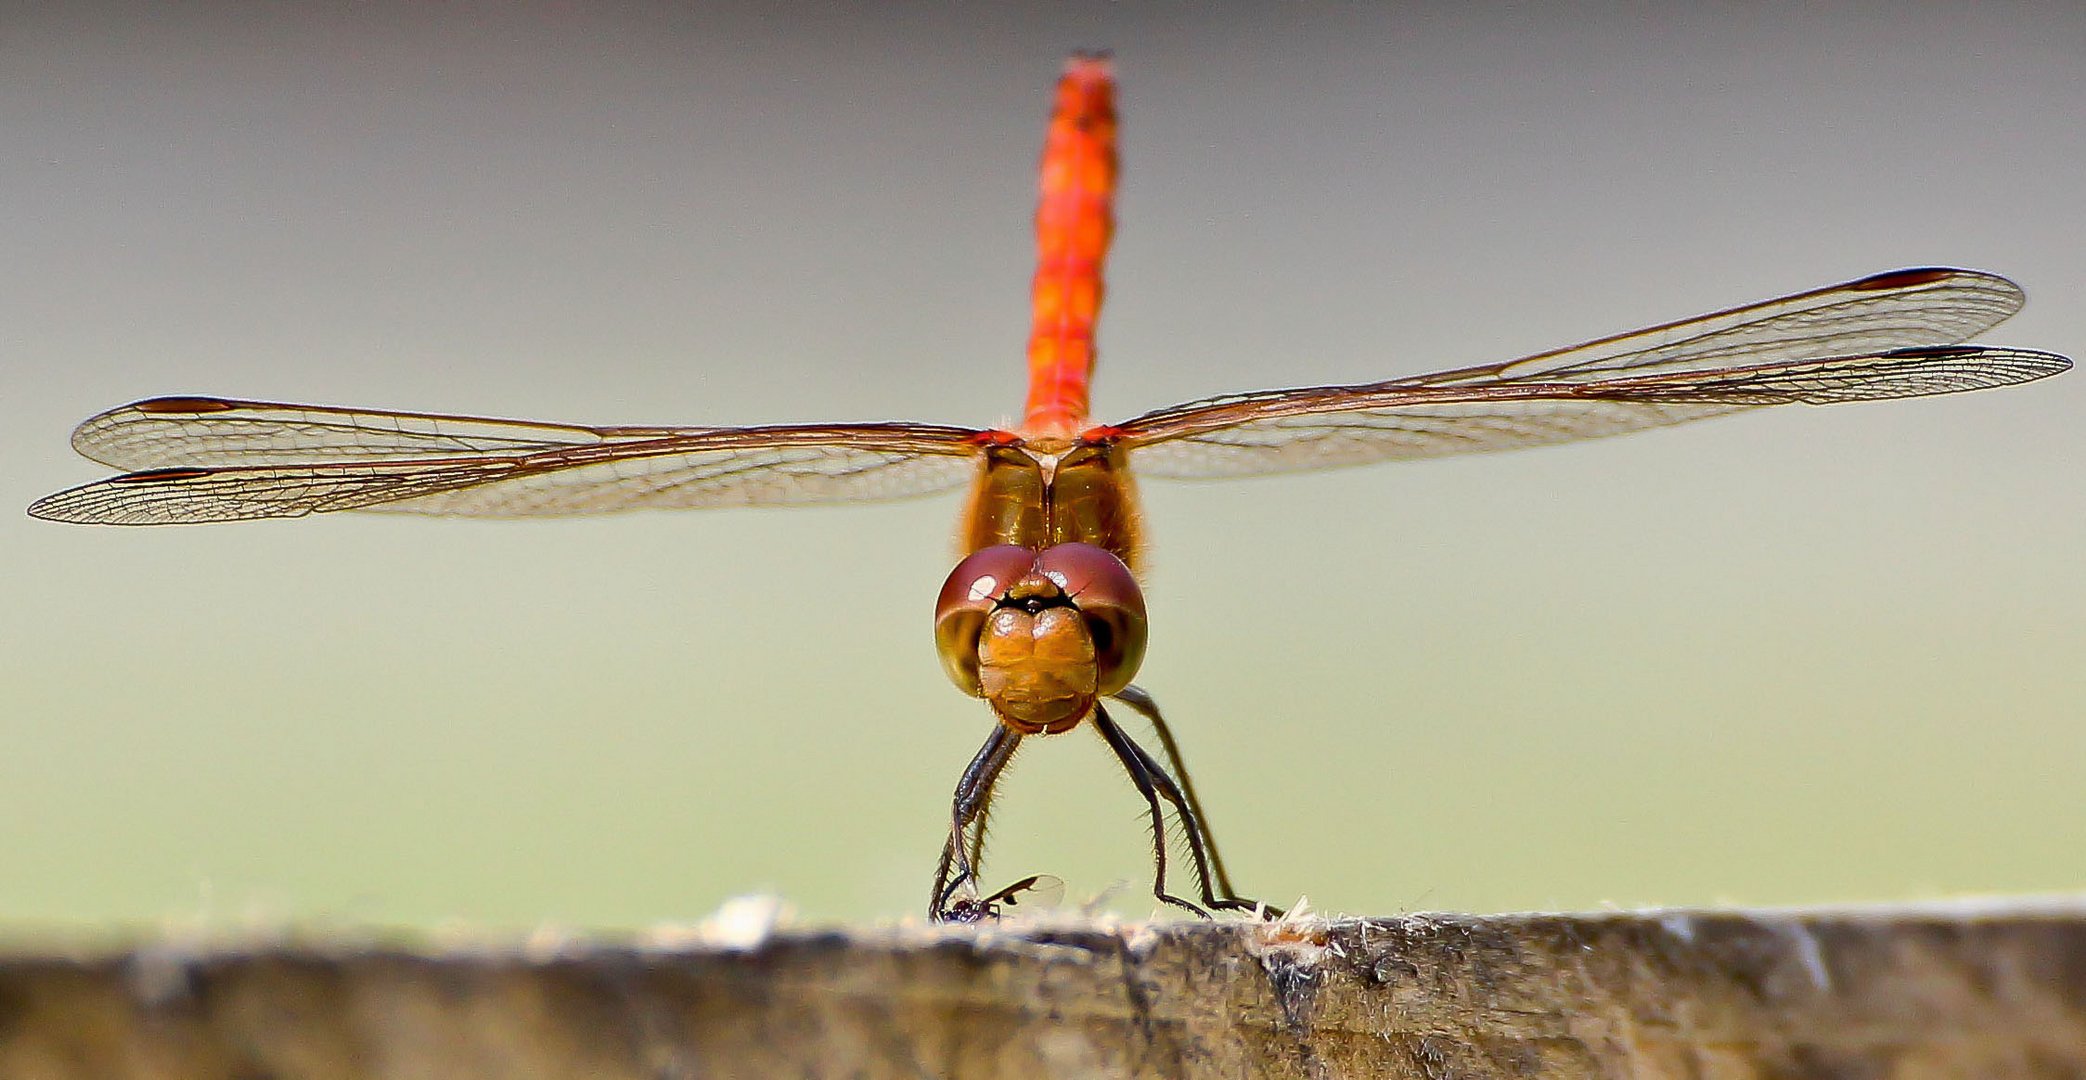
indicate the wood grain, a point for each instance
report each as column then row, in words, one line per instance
column 1997, row 991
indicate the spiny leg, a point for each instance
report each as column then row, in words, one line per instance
column 1198, row 841
column 973, row 910
column 1140, row 766
column 1227, row 897
column 983, row 814
column 962, row 852
column 973, row 859
column 1142, row 702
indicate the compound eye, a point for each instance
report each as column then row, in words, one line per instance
column 968, row 596
column 1109, row 601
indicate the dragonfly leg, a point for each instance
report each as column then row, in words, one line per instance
column 1141, row 769
column 1142, row 702
column 965, row 847
column 1202, row 841
column 973, row 852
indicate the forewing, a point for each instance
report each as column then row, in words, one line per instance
column 779, row 465
column 180, row 432
column 1396, row 432
column 1887, row 335
column 1893, row 310
column 1283, row 431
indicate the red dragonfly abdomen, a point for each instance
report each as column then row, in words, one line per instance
column 1074, row 221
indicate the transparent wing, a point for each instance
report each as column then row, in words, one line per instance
column 1892, row 310
column 208, row 432
column 619, row 470
column 1403, row 432
column 1664, row 375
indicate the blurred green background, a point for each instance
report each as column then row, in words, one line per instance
column 1813, row 655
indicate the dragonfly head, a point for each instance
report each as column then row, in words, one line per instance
column 1041, row 635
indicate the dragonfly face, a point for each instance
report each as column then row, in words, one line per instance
column 1041, row 635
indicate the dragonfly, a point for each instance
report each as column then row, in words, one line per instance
column 1043, row 617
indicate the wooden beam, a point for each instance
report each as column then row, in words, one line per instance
column 1937, row 992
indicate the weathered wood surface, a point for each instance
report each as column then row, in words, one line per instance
column 1999, row 992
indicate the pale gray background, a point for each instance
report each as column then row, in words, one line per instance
column 1813, row 655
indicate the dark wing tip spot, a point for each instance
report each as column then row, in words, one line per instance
column 1937, row 352
column 1903, row 279
column 160, row 476
column 183, row 405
